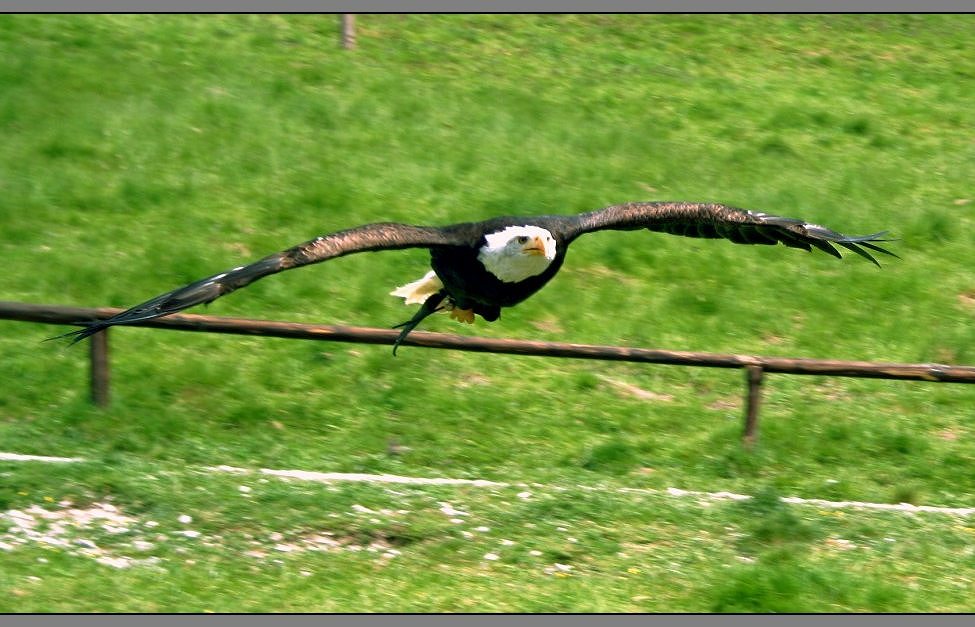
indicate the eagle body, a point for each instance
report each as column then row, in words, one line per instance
column 470, row 285
column 478, row 268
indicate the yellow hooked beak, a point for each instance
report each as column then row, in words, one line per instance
column 535, row 247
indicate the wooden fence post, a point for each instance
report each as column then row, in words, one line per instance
column 753, row 376
column 98, row 350
column 348, row 31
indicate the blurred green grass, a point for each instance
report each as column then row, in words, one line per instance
column 143, row 152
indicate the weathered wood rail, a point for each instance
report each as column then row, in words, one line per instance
column 754, row 367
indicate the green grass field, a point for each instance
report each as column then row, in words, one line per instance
column 142, row 152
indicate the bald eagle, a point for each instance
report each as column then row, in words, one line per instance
column 480, row 267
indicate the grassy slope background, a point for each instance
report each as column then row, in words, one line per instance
column 141, row 153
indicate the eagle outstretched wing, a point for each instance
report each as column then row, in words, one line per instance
column 679, row 218
column 371, row 237
column 714, row 220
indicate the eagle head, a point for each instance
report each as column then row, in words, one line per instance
column 516, row 253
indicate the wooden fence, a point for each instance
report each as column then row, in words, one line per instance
column 755, row 367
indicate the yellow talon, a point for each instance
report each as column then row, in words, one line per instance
column 462, row 315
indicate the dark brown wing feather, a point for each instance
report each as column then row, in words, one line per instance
column 714, row 220
column 679, row 218
column 371, row 237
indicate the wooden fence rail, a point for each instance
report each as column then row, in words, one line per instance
column 754, row 367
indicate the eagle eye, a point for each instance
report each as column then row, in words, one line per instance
column 522, row 239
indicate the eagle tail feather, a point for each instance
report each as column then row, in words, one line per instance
column 419, row 291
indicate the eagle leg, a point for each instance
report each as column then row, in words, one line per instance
column 430, row 306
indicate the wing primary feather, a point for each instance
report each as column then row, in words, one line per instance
column 879, row 249
column 860, row 251
column 716, row 220
column 826, row 247
column 199, row 292
column 876, row 237
column 787, row 238
column 370, row 237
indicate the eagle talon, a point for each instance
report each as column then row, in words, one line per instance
column 462, row 315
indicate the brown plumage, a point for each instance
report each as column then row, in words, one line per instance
column 462, row 254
